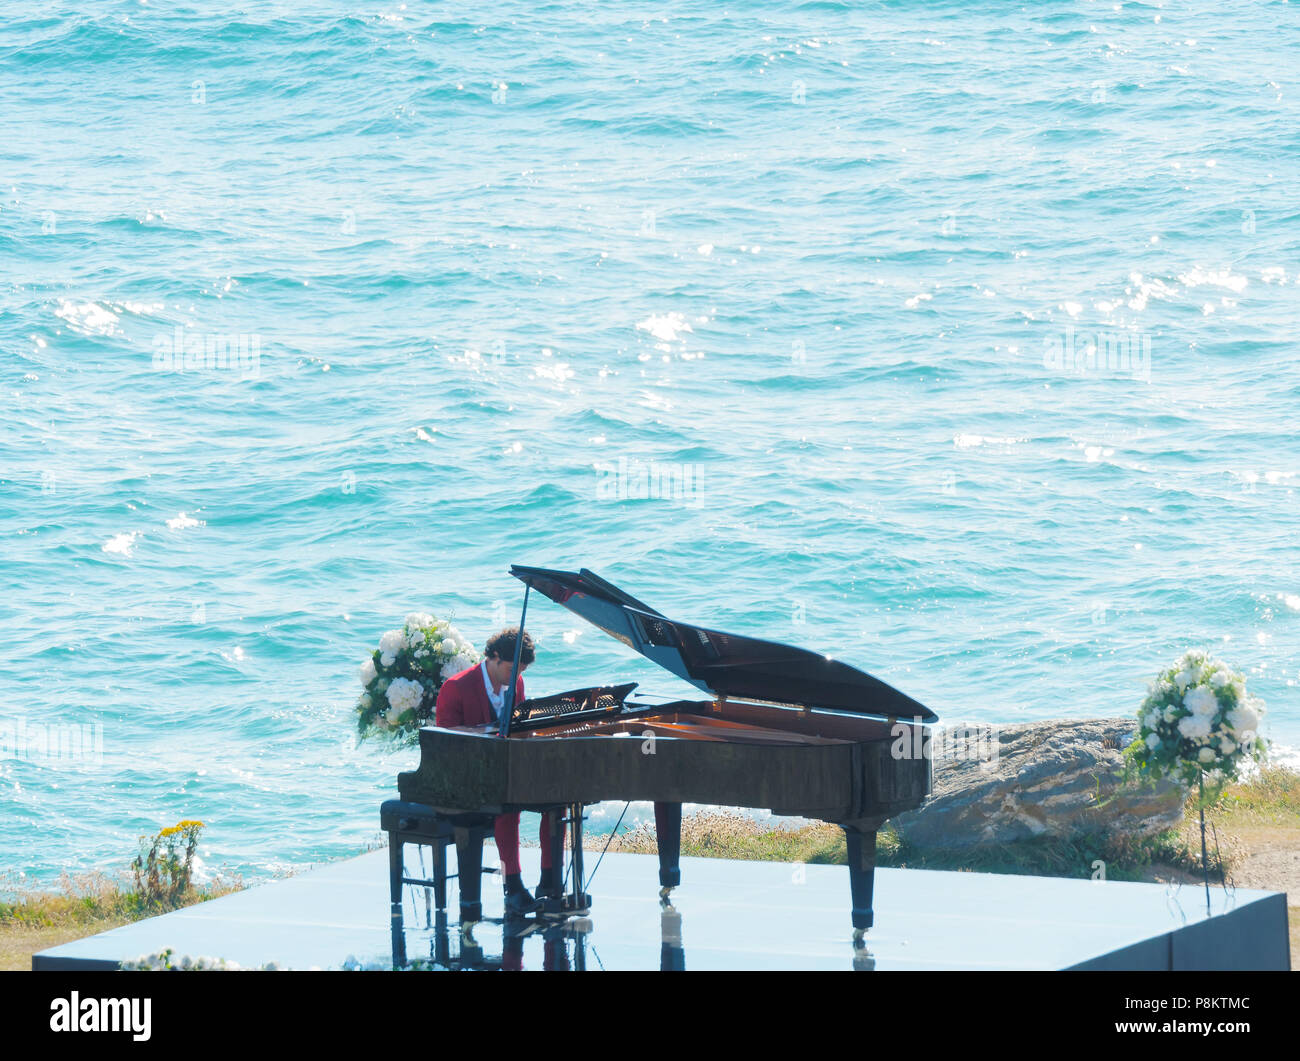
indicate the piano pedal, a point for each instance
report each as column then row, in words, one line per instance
column 564, row 906
column 559, row 916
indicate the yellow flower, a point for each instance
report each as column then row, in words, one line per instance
column 180, row 827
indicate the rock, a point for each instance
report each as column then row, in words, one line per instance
column 1036, row 779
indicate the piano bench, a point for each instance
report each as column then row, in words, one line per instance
column 416, row 823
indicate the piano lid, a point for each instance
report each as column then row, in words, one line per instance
column 720, row 663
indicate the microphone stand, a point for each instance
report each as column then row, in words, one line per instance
column 508, row 706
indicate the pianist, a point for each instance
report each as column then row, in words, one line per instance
column 475, row 697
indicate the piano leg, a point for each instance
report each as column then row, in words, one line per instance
column 469, row 871
column 396, row 871
column 861, row 841
column 441, row 940
column 440, row 876
column 668, row 834
column 555, row 837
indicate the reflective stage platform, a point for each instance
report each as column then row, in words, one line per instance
column 726, row 915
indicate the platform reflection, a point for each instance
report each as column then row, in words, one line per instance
column 442, row 943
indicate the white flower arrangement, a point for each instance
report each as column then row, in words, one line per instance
column 1198, row 725
column 402, row 677
column 403, row 695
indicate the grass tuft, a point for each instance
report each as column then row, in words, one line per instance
column 89, row 898
column 1272, row 797
column 723, row 834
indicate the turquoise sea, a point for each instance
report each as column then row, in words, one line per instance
column 957, row 340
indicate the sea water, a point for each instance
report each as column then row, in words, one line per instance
column 954, row 340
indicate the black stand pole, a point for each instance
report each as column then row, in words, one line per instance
column 579, row 897
column 508, row 709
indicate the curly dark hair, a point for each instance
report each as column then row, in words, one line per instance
column 502, row 646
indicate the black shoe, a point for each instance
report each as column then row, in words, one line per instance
column 548, row 887
column 520, row 903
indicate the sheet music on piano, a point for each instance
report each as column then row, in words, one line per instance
column 573, row 706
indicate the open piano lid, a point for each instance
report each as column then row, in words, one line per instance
column 723, row 664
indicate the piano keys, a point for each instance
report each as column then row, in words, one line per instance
column 781, row 728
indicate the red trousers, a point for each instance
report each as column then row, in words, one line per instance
column 507, row 834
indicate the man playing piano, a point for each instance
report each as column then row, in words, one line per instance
column 476, row 697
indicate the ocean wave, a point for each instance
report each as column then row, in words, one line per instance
column 473, row 304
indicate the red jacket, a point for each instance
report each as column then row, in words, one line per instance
column 463, row 699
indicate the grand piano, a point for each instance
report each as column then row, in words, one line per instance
column 781, row 728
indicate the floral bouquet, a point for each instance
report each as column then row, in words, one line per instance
column 402, row 677
column 1198, row 725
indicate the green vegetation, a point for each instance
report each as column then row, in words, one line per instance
column 84, row 899
column 1271, row 798
column 723, row 835
column 727, row 835
column 88, row 903
column 1125, row 857
column 163, row 867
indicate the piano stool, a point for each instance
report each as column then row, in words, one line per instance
column 415, row 823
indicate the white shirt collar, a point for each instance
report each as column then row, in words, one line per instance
column 498, row 700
